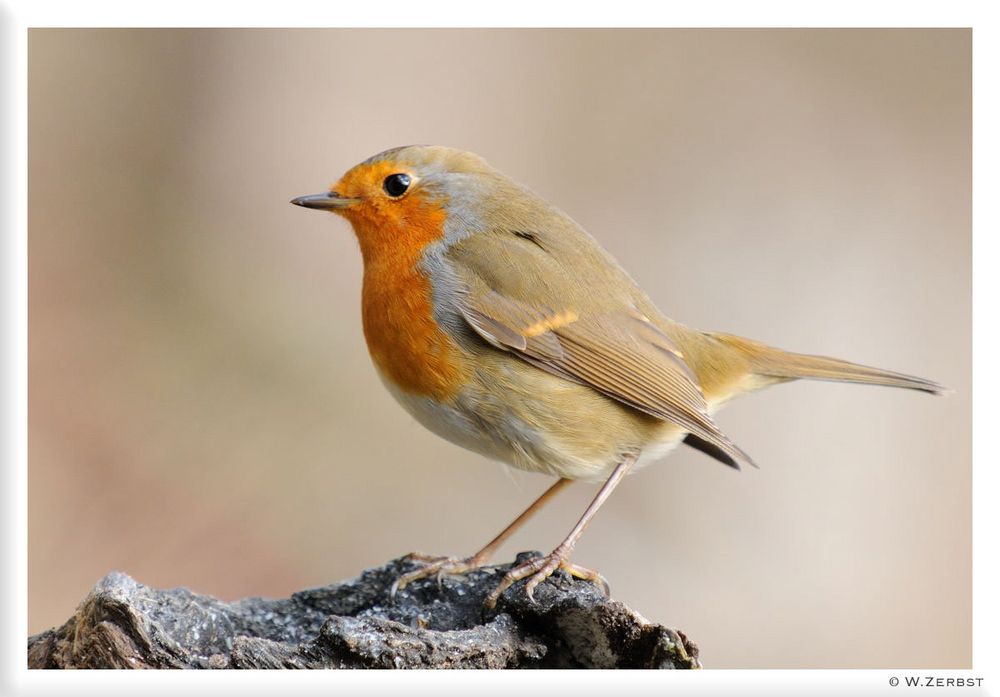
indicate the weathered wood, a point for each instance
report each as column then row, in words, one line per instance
column 124, row 624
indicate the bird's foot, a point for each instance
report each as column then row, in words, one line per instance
column 434, row 566
column 539, row 569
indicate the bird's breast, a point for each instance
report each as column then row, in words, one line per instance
column 405, row 342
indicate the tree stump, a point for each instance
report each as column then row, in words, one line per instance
column 355, row 624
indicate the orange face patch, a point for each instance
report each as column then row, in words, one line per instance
column 403, row 337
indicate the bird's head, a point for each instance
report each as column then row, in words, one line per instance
column 402, row 198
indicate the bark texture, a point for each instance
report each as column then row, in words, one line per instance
column 355, row 624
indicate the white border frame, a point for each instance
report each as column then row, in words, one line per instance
column 14, row 21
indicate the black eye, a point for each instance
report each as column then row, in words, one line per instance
column 396, row 184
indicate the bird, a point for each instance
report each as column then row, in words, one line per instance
column 504, row 327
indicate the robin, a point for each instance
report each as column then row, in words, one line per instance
column 502, row 326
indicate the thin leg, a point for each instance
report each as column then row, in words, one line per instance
column 451, row 565
column 487, row 552
column 542, row 567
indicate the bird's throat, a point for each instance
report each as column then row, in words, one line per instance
column 397, row 311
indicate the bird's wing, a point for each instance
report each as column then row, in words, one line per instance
column 579, row 333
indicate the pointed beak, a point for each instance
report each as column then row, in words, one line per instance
column 327, row 201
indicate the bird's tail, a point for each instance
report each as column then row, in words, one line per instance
column 784, row 365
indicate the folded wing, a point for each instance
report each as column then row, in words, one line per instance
column 615, row 348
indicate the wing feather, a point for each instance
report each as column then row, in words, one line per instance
column 617, row 351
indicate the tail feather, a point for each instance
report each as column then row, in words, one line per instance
column 773, row 362
column 797, row 365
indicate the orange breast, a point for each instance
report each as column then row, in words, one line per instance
column 403, row 337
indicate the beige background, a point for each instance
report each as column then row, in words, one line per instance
column 202, row 409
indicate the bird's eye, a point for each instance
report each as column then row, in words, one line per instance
column 396, row 184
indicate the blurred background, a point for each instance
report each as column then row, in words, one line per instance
column 203, row 412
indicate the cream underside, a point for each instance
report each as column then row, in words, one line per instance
column 518, row 445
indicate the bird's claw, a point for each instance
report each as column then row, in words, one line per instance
column 433, row 566
column 539, row 569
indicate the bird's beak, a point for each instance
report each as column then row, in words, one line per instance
column 328, row 201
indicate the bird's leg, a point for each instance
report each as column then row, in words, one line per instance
column 541, row 568
column 451, row 565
